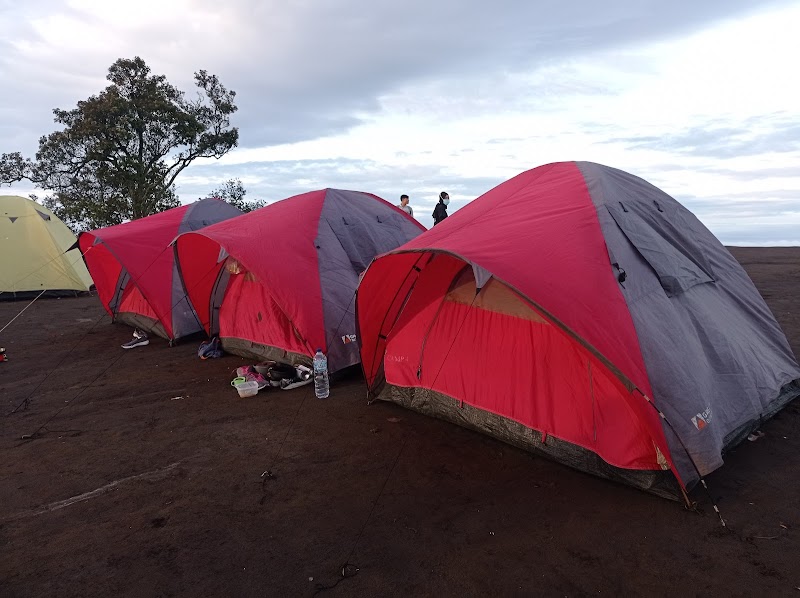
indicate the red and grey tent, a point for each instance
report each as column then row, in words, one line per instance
column 133, row 267
column 278, row 283
column 578, row 311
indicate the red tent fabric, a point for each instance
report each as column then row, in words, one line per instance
column 579, row 311
column 133, row 267
column 279, row 281
column 568, row 281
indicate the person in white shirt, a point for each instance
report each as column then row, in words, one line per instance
column 404, row 205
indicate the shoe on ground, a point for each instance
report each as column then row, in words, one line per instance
column 139, row 339
column 256, row 377
column 244, row 370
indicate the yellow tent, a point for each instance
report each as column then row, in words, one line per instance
column 33, row 250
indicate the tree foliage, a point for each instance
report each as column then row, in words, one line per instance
column 12, row 167
column 119, row 152
column 233, row 192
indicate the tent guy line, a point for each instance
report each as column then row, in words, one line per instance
column 80, row 257
column 72, row 264
column 22, row 311
column 26, row 400
column 34, row 435
column 345, row 569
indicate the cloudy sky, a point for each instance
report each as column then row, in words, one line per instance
column 699, row 98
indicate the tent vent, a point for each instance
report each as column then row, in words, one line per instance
column 481, row 275
column 622, row 205
column 13, row 219
column 44, row 216
column 658, row 206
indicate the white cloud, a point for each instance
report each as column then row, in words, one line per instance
column 699, row 101
column 416, row 98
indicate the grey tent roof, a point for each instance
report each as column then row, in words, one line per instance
column 717, row 360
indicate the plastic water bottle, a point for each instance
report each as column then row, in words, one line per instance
column 321, row 388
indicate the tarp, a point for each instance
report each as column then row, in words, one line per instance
column 134, row 268
column 35, row 252
column 582, row 302
column 283, row 277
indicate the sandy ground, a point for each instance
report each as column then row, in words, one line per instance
column 149, row 483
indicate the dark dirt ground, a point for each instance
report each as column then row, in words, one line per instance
column 421, row 507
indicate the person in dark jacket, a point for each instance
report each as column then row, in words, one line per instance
column 440, row 211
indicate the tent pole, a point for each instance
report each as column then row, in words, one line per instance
column 691, row 459
column 414, row 268
column 456, row 276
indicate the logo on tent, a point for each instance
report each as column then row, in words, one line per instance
column 701, row 420
column 349, row 338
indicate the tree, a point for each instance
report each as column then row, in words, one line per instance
column 120, row 151
column 12, row 167
column 233, row 192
